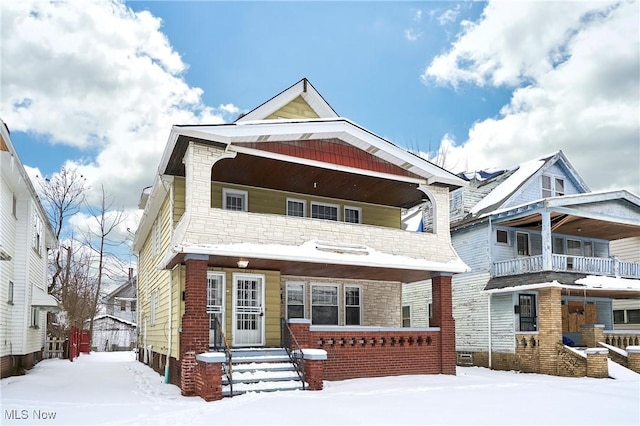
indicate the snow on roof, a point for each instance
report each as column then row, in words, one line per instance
column 590, row 282
column 315, row 251
column 506, row 188
column 124, row 321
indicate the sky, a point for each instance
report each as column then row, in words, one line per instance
column 112, row 388
column 97, row 85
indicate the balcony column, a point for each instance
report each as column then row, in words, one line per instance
column 547, row 262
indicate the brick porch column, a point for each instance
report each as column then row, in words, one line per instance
column 314, row 367
column 597, row 365
column 209, row 375
column 549, row 329
column 592, row 334
column 194, row 337
column 442, row 312
column 633, row 358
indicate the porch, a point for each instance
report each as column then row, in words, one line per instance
column 612, row 267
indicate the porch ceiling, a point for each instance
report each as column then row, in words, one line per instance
column 576, row 225
column 309, row 269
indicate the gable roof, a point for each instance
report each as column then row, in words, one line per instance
column 302, row 88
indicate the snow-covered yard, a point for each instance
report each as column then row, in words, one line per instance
column 113, row 388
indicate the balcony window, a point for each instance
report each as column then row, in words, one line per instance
column 324, row 304
column 558, row 245
column 574, row 247
column 295, row 300
column 233, row 199
column 618, row 316
column 324, row 211
column 353, row 215
column 406, row 316
column 633, row 316
column 522, row 241
column 296, row 207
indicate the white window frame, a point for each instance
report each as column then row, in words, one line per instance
column 500, row 242
column 552, row 189
column 210, row 308
column 304, row 297
column 14, row 206
column 235, row 192
column 35, row 317
column 296, row 200
column 403, row 317
column 344, row 293
column 357, row 209
column 10, row 293
column 337, row 287
column 36, row 241
column 336, row 206
column 528, row 248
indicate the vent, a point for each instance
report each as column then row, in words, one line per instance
column 464, row 358
column 372, row 150
column 305, row 136
column 263, row 138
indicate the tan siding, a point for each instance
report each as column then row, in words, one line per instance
column 178, row 198
column 269, row 201
column 297, row 108
column 626, row 249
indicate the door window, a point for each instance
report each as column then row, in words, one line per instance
column 528, row 317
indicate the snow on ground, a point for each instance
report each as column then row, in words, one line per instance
column 115, row 389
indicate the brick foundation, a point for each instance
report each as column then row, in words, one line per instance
column 15, row 365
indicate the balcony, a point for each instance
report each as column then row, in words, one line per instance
column 612, row 267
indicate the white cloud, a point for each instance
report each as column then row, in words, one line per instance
column 412, row 34
column 449, row 15
column 574, row 68
column 96, row 75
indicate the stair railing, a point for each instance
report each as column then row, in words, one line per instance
column 294, row 351
column 220, row 342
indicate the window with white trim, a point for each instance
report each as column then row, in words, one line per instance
column 296, row 207
column 522, row 242
column 406, row 316
column 352, row 214
column 324, row 304
column 36, row 240
column 14, row 206
column 352, row 305
column 552, row 186
column 295, row 299
column 234, row 199
column 10, row 293
column 325, row 211
column 35, row 317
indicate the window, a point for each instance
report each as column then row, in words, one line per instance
column 552, row 186
column 353, row 214
column 428, row 216
column 10, row 293
column 14, row 206
column 633, row 316
column 215, row 306
column 296, row 207
column 324, row 304
column 35, row 318
column 406, row 316
column 295, row 300
column 37, row 233
column 618, row 316
column 133, row 306
column 527, row 310
column 352, row 303
column 153, row 302
column 522, row 241
column 502, row 236
column 123, row 305
column 558, row 245
column 324, row 211
column 588, row 249
column 233, row 199
column 574, row 247
column 430, row 313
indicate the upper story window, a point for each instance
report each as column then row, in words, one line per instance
column 36, row 240
column 296, row 207
column 502, row 236
column 353, row 214
column 133, row 306
column 14, row 206
column 324, row 211
column 552, row 186
column 10, row 293
column 522, row 241
column 233, row 199
column 123, row 305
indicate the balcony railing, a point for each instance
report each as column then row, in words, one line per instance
column 564, row 263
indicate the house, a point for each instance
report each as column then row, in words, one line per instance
column 291, row 213
column 115, row 329
column 25, row 237
column 626, row 312
column 538, row 243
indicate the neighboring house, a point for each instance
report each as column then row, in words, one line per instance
column 290, row 212
column 626, row 313
column 25, row 237
column 538, row 245
column 115, row 330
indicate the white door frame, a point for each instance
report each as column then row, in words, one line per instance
column 223, row 306
column 259, row 336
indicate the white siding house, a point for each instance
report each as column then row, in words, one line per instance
column 25, row 237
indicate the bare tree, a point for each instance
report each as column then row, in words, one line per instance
column 62, row 195
column 98, row 239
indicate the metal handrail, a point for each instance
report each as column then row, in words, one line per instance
column 296, row 355
column 228, row 371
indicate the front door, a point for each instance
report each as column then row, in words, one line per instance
column 528, row 315
column 248, row 310
column 215, row 308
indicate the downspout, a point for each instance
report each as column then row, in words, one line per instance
column 489, row 298
column 489, row 318
column 169, row 326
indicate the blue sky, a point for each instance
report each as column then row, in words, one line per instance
column 98, row 84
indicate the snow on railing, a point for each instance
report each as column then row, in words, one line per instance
column 566, row 263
